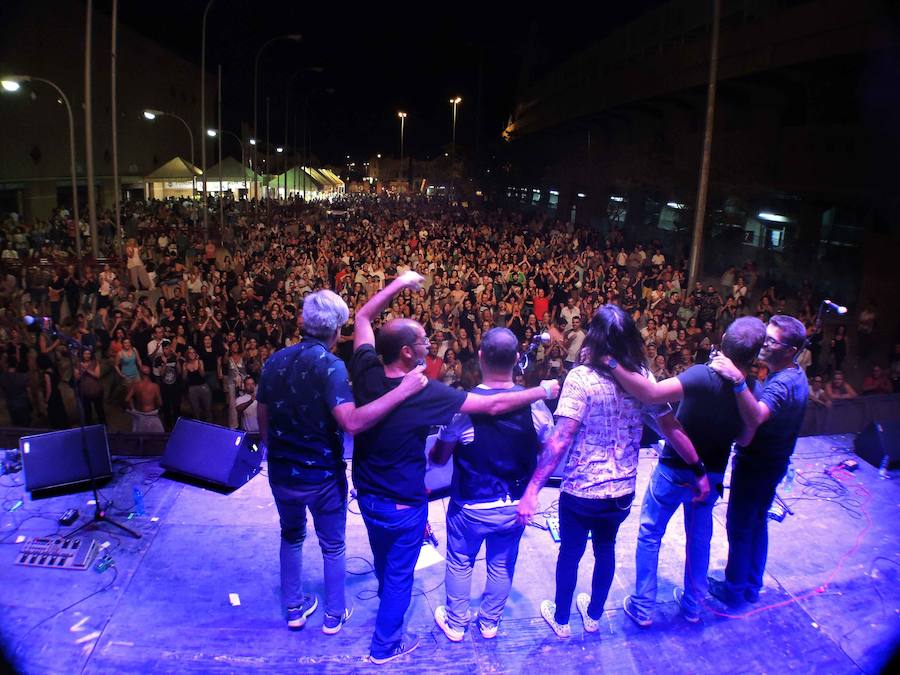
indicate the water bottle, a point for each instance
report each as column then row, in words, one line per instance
column 138, row 502
column 883, row 472
column 788, row 482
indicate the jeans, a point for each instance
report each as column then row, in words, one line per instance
column 327, row 502
column 467, row 529
column 753, row 485
column 395, row 536
column 670, row 488
column 201, row 402
column 577, row 517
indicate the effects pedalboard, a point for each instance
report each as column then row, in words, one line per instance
column 553, row 528
column 58, row 553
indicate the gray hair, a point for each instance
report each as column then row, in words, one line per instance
column 324, row 312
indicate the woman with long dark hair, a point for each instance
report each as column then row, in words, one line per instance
column 600, row 425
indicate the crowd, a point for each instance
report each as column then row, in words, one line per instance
column 387, row 317
column 202, row 316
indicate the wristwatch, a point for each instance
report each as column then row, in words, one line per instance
column 698, row 469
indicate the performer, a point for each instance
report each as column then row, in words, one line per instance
column 303, row 403
column 709, row 415
column 389, row 460
column 493, row 459
column 773, row 424
column 602, row 425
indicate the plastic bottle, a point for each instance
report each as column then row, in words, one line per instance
column 883, row 471
column 788, row 482
column 138, row 502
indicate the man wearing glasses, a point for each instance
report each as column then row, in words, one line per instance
column 389, row 459
column 773, row 423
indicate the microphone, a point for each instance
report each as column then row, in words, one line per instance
column 840, row 309
column 40, row 321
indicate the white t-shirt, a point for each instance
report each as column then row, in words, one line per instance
column 249, row 421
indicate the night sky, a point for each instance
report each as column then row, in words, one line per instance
column 378, row 60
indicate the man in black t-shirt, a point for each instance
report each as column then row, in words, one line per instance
column 709, row 414
column 389, row 459
column 773, row 424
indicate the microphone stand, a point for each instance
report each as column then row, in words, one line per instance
column 75, row 349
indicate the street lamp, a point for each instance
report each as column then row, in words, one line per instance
column 455, row 101
column 151, row 115
column 402, row 116
column 12, row 83
column 225, row 132
column 294, row 37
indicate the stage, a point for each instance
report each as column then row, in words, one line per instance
column 199, row 592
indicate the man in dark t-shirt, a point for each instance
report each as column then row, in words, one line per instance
column 773, row 424
column 709, row 414
column 389, row 459
column 304, row 403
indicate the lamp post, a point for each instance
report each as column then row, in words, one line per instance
column 115, row 134
column 402, row 116
column 152, row 115
column 294, row 37
column 89, row 131
column 252, row 142
column 455, row 101
column 12, row 83
column 243, row 154
column 203, row 114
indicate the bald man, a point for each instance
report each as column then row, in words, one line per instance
column 389, row 459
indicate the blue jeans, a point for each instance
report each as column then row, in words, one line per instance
column 328, row 504
column 395, row 536
column 668, row 489
column 753, row 485
column 467, row 529
column 577, row 517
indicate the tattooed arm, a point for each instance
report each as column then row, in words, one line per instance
column 553, row 450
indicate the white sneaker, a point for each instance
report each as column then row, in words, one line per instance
column 582, row 602
column 548, row 609
column 453, row 634
column 488, row 630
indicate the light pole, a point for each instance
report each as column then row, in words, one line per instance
column 455, row 101
column 243, row 154
column 115, row 133
column 12, row 83
column 295, row 37
column 89, row 131
column 252, row 142
column 203, row 114
column 402, row 116
column 152, row 115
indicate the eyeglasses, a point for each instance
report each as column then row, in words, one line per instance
column 425, row 341
column 769, row 341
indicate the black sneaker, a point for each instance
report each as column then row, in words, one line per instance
column 297, row 616
column 720, row 591
column 407, row 645
column 751, row 596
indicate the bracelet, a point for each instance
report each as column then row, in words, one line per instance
column 612, row 363
column 698, row 469
column 548, row 393
column 740, row 386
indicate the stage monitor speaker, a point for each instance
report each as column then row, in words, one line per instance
column 56, row 459
column 211, row 453
column 880, row 439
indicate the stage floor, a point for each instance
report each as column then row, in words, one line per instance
column 830, row 602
